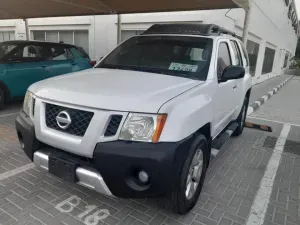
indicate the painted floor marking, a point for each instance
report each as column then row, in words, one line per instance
column 9, row 114
column 249, row 111
column 275, row 121
column 16, row 171
column 262, row 198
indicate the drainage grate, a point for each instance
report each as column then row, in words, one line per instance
column 292, row 147
column 270, row 142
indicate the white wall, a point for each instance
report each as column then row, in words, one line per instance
column 269, row 26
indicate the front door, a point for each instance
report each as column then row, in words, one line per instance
column 238, row 61
column 23, row 67
column 224, row 101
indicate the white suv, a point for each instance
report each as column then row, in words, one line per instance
column 145, row 121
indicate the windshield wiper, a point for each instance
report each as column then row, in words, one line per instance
column 135, row 68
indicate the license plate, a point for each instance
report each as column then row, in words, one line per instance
column 63, row 168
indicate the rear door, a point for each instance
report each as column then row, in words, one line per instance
column 24, row 66
column 237, row 61
column 59, row 59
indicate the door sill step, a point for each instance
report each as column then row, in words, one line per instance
column 219, row 142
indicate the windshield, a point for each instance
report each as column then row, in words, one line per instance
column 172, row 55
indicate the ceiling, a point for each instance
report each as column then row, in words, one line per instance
column 16, row 9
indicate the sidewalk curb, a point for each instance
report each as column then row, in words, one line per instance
column 266, row 97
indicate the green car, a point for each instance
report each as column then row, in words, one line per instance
column 23, row 63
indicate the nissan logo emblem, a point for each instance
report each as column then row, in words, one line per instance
column 63, row 120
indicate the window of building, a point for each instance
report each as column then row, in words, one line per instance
column 7, row 35
column 125, row 34
column 252, row 49
column 286, row 60
column 268, row 60
column 237, row 54
column 224, row 58
column 52, row 36
column 79, row 38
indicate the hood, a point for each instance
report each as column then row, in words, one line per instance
column 111, row 89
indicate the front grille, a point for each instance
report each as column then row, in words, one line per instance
column 80, row 119
column 113, row 125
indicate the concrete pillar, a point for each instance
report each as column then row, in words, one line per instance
column 276, row 64
column 280, row 61
column 246, row 25
column 119, row 29
column 27, row 30
column 260, row 61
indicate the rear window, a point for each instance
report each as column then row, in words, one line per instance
column 79, row 53
column 171, row 55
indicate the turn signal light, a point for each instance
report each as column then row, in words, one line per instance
column 160, row 121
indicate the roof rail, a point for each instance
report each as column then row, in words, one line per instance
column 188, row 28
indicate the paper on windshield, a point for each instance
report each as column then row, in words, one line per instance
column 183, row 67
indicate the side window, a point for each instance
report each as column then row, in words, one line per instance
column 61, row 53
column 31, row 51
column 24, row 53
column 244, row 55
column 224, row 58
column 237, row 53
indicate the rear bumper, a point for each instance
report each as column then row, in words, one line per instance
column 115, row 166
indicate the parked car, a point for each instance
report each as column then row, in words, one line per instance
column 23, row 63
column 145, row 121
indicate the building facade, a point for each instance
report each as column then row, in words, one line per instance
column 271, row 43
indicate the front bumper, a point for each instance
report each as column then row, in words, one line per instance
column 115, row 165
column 85, row 176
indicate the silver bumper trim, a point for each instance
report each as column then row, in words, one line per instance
column 87, row 177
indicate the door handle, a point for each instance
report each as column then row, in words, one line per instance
column 234, row 86
column 44, row 66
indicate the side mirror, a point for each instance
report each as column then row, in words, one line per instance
column 233, row 73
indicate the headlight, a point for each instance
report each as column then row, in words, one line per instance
column 27, row 105
column 143, row 127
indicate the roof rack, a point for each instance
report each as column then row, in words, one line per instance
column 190, row 29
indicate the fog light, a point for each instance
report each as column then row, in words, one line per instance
column 143, row 176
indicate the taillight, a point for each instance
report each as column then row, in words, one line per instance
column 92, row 62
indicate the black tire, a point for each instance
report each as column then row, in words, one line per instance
column 2, row 99
column 242, row 118
column 179, row 202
